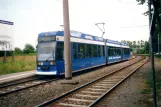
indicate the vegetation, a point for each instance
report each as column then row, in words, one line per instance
column 139, row 47
column 21, row 63
column 147, row 92
column 28, row 49
column 18, row 51
column 24, row 60
column 157, row 32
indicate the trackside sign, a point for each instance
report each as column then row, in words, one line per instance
column 6, row 35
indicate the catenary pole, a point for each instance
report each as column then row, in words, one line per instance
column 149, row 9
column 152, row 33
column 68, row 72
column 158, row 45
column 150, row 17
column 155, row 19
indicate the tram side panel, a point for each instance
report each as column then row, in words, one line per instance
column 114, row 54
column 83, row 56
column 125, row 53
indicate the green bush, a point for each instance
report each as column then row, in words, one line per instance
column 28, row 49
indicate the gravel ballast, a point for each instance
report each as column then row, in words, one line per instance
column 128, row 94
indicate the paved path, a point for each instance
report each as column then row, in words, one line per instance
column 16, row 76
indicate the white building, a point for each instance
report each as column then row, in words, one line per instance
column 6, row 36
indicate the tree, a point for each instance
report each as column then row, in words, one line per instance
column 157, row 31
column 146, row 47
column 134, row 44
column 142, row 43
column 18, row 51
column 28, row 49
column 138, row 44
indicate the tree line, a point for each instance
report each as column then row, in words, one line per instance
column 28, row 49
column 157, row 34
column 139, row 47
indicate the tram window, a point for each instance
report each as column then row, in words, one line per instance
column 103, row 48
column 60, row 51
column 88, row 51
column 118, row 51
column 75, row 50
column 123, row 50
column 99, row 50
column 94, row 50
column 81, row 49
column 113, row 51
column 127, row 51
column 109, row 51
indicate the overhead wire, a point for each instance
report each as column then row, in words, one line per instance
column 135, row 26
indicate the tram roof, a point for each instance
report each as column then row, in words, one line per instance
column 80, row 35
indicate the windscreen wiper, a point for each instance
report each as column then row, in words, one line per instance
column 49, row 57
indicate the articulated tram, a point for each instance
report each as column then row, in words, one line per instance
column 87, row 51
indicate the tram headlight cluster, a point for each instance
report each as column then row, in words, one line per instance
column 52, row 63
column 39, row 63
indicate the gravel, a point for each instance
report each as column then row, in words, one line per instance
column 128, row 94
column 37, row 95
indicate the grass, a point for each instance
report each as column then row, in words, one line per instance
column 148, row 91
column 143, row 54
column 21, row 63
column 22, row 54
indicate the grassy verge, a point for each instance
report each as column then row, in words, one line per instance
column 21, row 63
column 148, row 91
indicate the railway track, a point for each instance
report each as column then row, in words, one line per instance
column 91, row 93
column 19, row 85
column 22, row 85
column 20, row 81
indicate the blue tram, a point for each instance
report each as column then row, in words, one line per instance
column 87, row 51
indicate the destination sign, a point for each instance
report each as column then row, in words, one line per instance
column 46, row 38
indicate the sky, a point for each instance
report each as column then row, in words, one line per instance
column 122, row 18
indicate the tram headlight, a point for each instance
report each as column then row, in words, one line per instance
column 52, row 63
column 39, row 63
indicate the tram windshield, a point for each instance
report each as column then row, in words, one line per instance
column 46, row 51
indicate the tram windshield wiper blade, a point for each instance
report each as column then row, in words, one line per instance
column 49, row 57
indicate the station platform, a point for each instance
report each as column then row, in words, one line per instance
column 15, row 76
